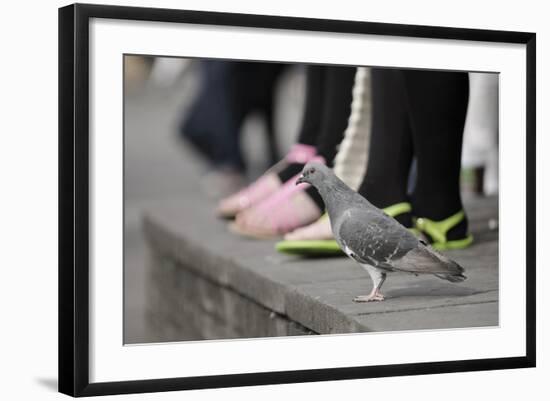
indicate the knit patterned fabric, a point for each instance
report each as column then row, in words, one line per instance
column 351, row 160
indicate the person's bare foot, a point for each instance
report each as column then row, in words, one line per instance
column 318, row 230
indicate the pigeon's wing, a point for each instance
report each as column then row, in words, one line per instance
column 379, row 240
column 424, row 259
column 374, row 238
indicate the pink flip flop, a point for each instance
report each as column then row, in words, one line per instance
column 282, row 212
column 264, row 186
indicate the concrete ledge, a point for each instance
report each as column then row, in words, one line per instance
column 235, row 287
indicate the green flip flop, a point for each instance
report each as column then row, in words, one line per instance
column 327, row 247
column 437, row 231
column 330, row 247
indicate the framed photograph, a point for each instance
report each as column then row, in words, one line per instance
column 254, row 199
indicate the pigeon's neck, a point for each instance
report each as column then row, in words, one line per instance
column 335, row 195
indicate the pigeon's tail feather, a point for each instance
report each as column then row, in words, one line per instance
column 425, row 259
column 455, row 271
column 457, row 278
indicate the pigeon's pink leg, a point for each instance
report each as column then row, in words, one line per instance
column 378, row 277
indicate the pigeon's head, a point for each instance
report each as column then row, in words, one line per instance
column 314, row 173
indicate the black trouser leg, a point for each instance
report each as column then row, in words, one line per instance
column 315, row 92
column 336, row 110
column 311, row 121
column 327, row 110
column 437, row 102
column 391, row 146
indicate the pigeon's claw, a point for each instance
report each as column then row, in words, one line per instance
column 375, row 296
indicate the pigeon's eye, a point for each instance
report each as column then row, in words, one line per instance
column 312, row 170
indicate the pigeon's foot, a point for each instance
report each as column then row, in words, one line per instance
column 372, row 297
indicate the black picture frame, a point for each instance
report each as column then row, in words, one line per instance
column 74, row 194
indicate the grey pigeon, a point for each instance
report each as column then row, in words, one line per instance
column 372, row 238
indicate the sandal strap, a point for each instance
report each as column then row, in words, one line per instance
column 438, row 229
column 397, row 209
column 392, row 211
column 455, row 244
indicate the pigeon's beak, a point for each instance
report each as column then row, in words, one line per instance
column 300, row 180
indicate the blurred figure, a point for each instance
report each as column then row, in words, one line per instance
column 166, row 70
column 480, row 149
column 229, row 92
column 273, row 205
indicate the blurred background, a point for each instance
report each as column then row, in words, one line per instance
column 160, row 164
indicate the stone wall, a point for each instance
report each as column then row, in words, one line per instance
column 184, row 305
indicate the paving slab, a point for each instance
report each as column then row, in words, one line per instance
column 483, row 314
